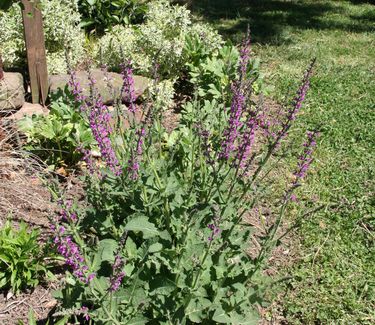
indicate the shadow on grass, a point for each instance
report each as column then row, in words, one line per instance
column 270, row 19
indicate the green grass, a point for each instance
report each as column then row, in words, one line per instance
column 334, row 278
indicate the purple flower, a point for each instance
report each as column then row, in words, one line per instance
column 304, row 161
column 245, row 56
column 66, row 213
column 247, row 142
column 99, row 119
column 67, row 248
column 296, row 104
column 128, row 85
column 77, row 90
column 117, row 268
column 87, row 159
column 133, row 162
column 234, row 123
column 215, row 230
column 85, row 312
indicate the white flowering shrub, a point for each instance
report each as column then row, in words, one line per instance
column 161, row 39
column 63, row 38
column 118, row 46
column 163, row 93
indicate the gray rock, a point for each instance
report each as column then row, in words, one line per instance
column 12, row 91
column 29, row 109
column 108, row 93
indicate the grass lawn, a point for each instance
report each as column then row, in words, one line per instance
column 334, row 278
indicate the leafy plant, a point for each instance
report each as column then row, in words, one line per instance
column 103, row 15
column 57, row 136
column 212, row 74
column 63, row 39
column 162, row 237
column 21, row 258
column 160, row 38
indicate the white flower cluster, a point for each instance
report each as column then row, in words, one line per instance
column 63, row 37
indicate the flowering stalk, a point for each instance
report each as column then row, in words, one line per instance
column 128, row 85
column 77, row 91
column 245, row 56
column 99, row 119
column 304, row 161
column 296, row 104
column 71, row 252
column 117, row 268
column 234, row 123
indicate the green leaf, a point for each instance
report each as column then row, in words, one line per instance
column 141, row 224
column 220, row 316
column 32, row 320
column 195, row 309
column 139, row 320
column 107, row 248
column 161, row 285
column 157, row 247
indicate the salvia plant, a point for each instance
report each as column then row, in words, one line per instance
column 161, row 237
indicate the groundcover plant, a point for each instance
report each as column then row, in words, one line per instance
column 160, row 237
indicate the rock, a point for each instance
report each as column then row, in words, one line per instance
column 59, row 82
column 29, row 109
column 12, row 91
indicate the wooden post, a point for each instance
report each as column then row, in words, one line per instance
column 1, row 68
column 36, row 52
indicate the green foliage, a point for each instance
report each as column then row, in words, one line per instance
column 63, row 38
column 103, row 15
column 333, row 269
column 211, row 74
column 56, row 137
column 160, row 39
column 21, row 258
column 174, row 215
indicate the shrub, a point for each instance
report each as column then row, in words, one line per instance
column 63, row 37
column 161, row 39
column 163, row 238
column 103, row 15
column 21, row 258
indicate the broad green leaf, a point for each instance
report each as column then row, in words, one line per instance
column 141, row 224
column 220, row 316
column 157, row 247
column 107, row 248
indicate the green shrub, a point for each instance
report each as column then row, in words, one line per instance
column 63, row 37
column 21, row 258
column 56, row 137
column 161, row 39
column 103, row 15
column 161, row 237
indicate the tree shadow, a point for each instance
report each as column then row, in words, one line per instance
column 270, row 20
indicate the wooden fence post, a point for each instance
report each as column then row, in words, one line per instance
column 36, row 52
column 1, row 68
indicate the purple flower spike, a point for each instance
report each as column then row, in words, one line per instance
column 215, row 230
column 245, row 56
column 297, row 104
column 99, row 118
column 117, row 273
column 304, row 161
column 234, row 124
column 77, row 90
column 128, row 85
column 67, row 248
